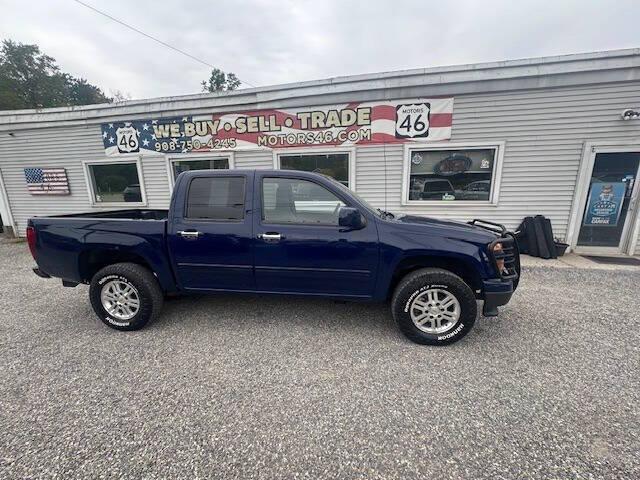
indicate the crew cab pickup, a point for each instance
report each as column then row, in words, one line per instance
column 280, row 232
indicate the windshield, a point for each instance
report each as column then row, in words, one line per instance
column 371, row 208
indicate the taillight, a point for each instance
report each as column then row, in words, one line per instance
column 31, row 240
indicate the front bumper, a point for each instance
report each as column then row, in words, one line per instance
column 496, row 293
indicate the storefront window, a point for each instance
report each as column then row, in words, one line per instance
column 451, row 175
column 115, row 183
column 179, row 166
column 334, row 165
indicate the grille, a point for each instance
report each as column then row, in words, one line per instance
column 510, row 254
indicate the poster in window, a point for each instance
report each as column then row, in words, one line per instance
column 604, row 204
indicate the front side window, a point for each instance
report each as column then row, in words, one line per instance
column 115, row 183
column 216, row 198
column 288, row 200
column 179, row 166
column 334, row 165
column 451, row 175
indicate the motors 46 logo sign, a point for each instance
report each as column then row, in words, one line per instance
column 412, row 121
column 127, row 139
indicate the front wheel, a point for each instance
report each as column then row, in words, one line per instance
column 433, row 306
column 125, row 296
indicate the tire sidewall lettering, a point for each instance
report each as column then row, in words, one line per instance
column 417, row 292
column 115, row 322
column 106, row 278
column 449, row 335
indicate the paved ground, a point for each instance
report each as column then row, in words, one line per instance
column 240, row 387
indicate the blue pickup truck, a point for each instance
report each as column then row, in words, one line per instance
column 280, row 232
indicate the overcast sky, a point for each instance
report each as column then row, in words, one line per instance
column 268, row 42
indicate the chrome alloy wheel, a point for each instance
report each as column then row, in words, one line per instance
column 435, row 311
column 120, row 299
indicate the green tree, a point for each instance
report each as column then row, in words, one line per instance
column 220, row 82
column 31, row 79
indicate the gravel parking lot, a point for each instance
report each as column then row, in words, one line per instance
column 265, row 387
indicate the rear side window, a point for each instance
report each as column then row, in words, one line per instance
column 216, row 198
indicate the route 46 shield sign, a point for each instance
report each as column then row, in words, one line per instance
column 127, row 140
column 412, row 120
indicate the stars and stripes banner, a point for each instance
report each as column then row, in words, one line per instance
column 416, row 120
column 47, row 181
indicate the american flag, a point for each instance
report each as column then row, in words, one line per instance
column 47, row 181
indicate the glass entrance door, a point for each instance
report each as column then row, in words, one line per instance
column 611, row 202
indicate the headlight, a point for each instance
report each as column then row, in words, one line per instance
column 497, row 249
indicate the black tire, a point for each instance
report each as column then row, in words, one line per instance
column 421, row 280
column 145, row 285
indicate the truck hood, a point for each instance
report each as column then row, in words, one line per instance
column 449, row 228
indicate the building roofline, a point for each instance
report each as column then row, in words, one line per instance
column 464, row 73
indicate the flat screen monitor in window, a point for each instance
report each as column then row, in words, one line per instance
column 334, row 165
column 216, row 198
column 451, row 175
column 179, row 166
column 115, row 183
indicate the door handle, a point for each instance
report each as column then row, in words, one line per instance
column 189, row 235
column 270, row 237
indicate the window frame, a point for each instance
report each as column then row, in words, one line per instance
column 349, row 151
column 135, row 159
column 185, row 212
column 181, row 157
column 263, row 221
column 496, row 177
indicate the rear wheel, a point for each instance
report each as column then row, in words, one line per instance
column 433, row 306
column 125, row 296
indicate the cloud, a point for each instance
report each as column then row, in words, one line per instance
column 270, row 42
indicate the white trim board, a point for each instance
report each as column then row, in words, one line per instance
column 169, row 159
column 496, row 177
column 109, row 161
column 328, row 150
column 581, row 191
column 5, row 207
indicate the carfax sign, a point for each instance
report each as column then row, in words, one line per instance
column 604, row 204
column 416, row 120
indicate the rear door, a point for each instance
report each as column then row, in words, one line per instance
column 210, row 233
column 299, row 246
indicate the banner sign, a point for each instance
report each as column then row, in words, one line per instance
column 604, row 204
column 418, row 120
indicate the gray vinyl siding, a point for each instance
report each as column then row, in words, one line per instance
column 544, row 132
column 261, row 159
column 68, row 147
column 52, row 147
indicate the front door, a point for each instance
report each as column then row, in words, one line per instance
column 211, row 232
column 301, row 249
column 612, row 203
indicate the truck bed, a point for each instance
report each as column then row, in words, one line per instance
column 69, row 246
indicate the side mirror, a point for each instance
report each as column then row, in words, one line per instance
column 350, row 218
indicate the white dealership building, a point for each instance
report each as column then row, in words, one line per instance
column 557, row 136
